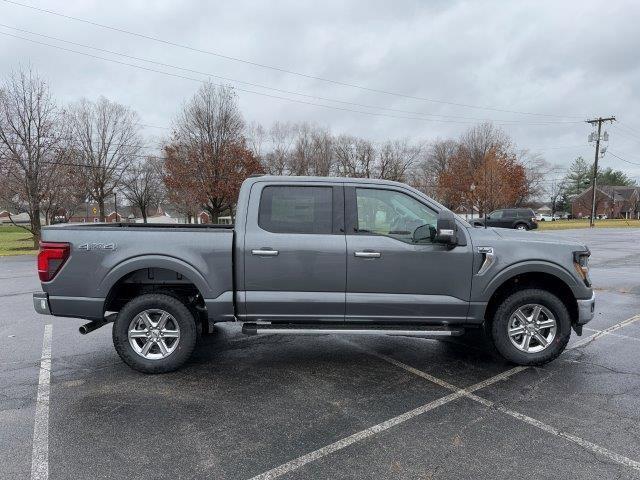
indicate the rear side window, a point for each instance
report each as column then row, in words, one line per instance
column 285, row 209
column 525, row 213
column 509, row 214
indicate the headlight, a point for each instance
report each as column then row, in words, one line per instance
column 581, row 264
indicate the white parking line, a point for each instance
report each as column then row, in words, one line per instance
column 619, row 335
column 621, row 459
column 368, row 432
column 40, row 453
column 457, row 393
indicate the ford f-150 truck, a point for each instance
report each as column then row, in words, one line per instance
column 317, row 255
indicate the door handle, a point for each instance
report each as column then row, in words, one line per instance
column 265, row 253
column 367, row 254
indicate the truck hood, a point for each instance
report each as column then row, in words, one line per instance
column 521, row 237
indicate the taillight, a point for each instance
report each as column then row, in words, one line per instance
column 51, row 257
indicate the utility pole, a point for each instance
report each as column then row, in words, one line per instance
column 598, row 121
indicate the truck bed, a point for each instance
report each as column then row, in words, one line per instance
column 104, row 254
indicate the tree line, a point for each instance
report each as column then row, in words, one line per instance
column 54, row 158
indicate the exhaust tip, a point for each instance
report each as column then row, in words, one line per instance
column 83, row 330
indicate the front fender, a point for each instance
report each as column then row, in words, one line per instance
column 484, row 291
column 154, row 261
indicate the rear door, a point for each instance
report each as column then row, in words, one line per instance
column 391, row 278
column 509, row 218
column 295, row 252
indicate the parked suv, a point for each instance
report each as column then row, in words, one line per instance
column 518, row 218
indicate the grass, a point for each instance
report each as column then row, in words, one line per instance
column 15, row 241
column 584, row 223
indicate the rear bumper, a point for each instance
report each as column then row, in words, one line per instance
column 41, row 303
column 73, row 307
column 586, row 309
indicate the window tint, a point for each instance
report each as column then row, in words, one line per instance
column 509, row 213
column 496, row 214
column 391, row 213
column 525, row 213
column 285, row 209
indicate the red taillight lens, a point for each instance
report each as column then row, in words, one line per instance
column 51, row 257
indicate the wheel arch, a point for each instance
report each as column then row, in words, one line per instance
column 555, row 282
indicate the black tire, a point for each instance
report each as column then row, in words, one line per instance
column 521, row 226
column 185, row 344
column 499, row 326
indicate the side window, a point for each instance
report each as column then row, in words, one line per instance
column 510, row 214
column 496, row 214
column 391, row 213
column 289, row 209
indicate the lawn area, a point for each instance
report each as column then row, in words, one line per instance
column 15, row 241
column 584, row 223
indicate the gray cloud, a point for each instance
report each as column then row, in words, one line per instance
column 560, row 58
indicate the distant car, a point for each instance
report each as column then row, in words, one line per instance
column 543, row 217
column 518, row 218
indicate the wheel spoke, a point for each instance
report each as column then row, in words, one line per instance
column 146, row 348
column 144, row 316
column 536, row 313
column 170, row 333
column 163, row 320
column 546, row 324
column 541, row 339
column 163, row 347
column 137, row 334
column 521, row 316
column 516, row 330
column 526, row 341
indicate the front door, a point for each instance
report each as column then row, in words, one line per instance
column 390, row 277
column 295, row 253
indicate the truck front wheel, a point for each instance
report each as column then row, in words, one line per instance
column 531, row 327
column 154, row 333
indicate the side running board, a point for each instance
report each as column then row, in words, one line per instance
column 350, row 329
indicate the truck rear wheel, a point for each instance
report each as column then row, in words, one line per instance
column 154, row 333
column 531, row 327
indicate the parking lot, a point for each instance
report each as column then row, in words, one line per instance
column 305, row 407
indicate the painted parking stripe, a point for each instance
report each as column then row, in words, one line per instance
column 466, row 392
column 368, row 432
column 606, row 331
column 621, row 459
column 619, row 335
column 40, row 453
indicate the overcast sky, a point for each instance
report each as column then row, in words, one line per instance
column 566, row 60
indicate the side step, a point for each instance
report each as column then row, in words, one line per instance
column 350, row 329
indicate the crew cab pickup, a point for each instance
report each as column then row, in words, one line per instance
column 317, row 255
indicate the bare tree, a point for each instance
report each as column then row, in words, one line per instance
column 30, row 134
column 107, row 136
column 282, row 137
column 208, row 155
column 557, row 189
column 395, row 160
column 434, row 162
column 143, row 185
column 355, row 157
column 536, row 170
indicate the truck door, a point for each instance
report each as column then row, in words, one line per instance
column 295, row 252
column 391, row 278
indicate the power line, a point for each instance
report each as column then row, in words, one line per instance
column 280, row 69
column 267, row 94
column 620, row 158
column 279, row 90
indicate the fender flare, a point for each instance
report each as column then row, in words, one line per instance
column 528, row 266
column 119, row 271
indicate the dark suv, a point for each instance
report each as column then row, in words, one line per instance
column 519, row 218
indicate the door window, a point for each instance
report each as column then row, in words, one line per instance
column 496, row 215
column 391, row 213
column 288, row 209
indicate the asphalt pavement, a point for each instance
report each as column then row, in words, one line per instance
column 320, row 407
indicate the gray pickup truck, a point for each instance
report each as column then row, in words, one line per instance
column 317, row 255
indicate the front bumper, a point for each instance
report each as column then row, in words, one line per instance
column 586, row 309
column 41, row 303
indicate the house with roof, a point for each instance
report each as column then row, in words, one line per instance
column 612, row 201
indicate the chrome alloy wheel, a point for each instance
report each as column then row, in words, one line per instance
column 532, row 328
column 154, row 334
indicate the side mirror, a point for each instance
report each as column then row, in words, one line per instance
column 424, row 232
column 447, row 230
